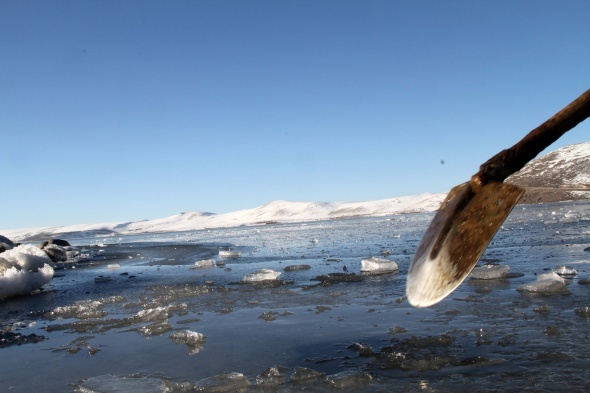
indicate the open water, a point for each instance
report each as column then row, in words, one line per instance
column 101, row 328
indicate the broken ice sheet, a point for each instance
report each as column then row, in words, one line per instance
column 489, row 272
column 549, row 283
column 193, row 340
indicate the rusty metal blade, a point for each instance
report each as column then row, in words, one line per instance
column 457, row 236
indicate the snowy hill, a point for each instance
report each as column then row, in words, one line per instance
column 563, row 174
column 272, row 212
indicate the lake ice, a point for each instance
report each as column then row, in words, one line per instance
column 156, row 322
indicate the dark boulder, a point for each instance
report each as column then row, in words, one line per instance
column 6, row 244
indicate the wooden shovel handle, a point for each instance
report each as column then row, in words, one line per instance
column 511, row 160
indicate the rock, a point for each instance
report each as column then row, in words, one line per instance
column 56, row 253
column 57, row 242
column 6, row 244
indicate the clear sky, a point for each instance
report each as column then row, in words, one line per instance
column 130, row 110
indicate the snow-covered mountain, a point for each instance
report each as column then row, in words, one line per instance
column 276, row 211
column 563, row 174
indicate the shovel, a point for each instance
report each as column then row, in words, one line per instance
column 472, row 212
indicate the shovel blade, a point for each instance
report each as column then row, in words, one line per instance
column 457, row 236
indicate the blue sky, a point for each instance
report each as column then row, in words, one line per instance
column 129, row 110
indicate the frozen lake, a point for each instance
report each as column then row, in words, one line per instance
column 97, row 328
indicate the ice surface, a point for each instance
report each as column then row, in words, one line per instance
column 22, row 270
column 112, row 383
column 261, row 275
column 377, row 265
column 548, row 283
column 193, row 340
column 489, row 272
column 205, row 263
column 566, row 271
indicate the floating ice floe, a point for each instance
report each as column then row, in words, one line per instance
column 114, row 383
column 261, row 275
column 226, row 382
column 566, row 271
column 229, row 254
column 205, row 263
column 23, row 269
column 375, row 265
column 113, row 266
column 548, row 283
column 193, row 340
column 489, row 272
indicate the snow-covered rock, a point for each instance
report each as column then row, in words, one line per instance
column 23, row 269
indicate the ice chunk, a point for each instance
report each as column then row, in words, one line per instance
column 154, row 329
column 193, row 340
column 114, row 266
column 566, row 271
column 204, row 263
column 271, row 377
column 292, row 268
column 23, row 269
column 227, row 382
column 375, row 265
column 548, row 283
column 113, row 383
column 489, row 272
column 303, row 374
column 349, row 380
column 83, row 309
column 229, row 254
column 261, row 275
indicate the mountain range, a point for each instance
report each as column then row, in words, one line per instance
column 561, row 175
